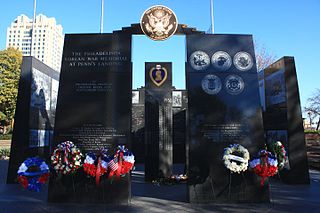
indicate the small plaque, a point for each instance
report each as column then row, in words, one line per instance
column 221, row 61
column 243, row 61
column 234, row 84
column 199, row 60
column 159, row 23
column 211, row 84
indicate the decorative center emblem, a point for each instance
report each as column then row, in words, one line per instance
column 243, row 61
column 234, row 84
column 159, row 23
column 221, row 61
column 211, row 84
column 199, row 60
column 158, row 75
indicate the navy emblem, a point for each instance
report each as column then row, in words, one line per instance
column 243, row 61
column 159, row 23
column 199, row 60
column 158, row 75
column 221, row 61
column 211, row 84
column 234, row 84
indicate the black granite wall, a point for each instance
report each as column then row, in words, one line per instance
column 282, row 117
column 223, row 108
column 35, row 114
column 94, row 111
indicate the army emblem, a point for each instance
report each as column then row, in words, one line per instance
column 158, row 75
column 243, row 61
column 221, row 61
column 211, row 84
column 234, row 84
column 199, row 60
column 159, row 23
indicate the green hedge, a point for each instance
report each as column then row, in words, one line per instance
column 4, row 153
column 5, row 137
column 309, row 131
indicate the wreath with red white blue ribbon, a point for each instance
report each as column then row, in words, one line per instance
column 264, row 165
column 121, row 163
column 66, row 158
column 33, row 173
column 96, row 165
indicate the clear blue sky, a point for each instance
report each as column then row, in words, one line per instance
column 285, row 28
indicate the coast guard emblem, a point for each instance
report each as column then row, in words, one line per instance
column 158, row 75
column 234, row 84
column 159, row 23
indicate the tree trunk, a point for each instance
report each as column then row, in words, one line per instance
column 318, row 124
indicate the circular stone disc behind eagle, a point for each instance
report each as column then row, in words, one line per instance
column 159, row 23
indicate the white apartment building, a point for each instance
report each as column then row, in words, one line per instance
column 47, row 39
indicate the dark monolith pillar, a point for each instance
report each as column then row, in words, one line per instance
column 158, row 120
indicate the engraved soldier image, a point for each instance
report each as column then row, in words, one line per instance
column 199, row 60
column 159, row 23
column 158, row 75
column 211, row 84
column 243, row 61
column 221, row 61
column 234, row 84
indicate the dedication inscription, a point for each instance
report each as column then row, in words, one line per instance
column 94, row 110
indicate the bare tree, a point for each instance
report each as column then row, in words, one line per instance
column 263, row 57
column 313, row 106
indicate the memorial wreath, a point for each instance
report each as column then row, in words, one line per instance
column 96, row 164
column 33, row 173
column 264, row 165
column 233, row 162
column 121, row 163
column 279, row 151
column 66, row 158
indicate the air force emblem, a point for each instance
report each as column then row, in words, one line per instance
column 159, row 23
column 211, row 84
column 158, row 75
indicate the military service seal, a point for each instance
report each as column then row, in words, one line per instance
column 199, row 60
column 234, row 84
column 211, row 84
column 221, row 61
column 159, row 23
column 243, row 61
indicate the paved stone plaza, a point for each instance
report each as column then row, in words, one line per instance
column 151, row 198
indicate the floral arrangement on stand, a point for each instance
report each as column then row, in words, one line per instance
column 264, row 165
column 66, row 158
column 96, row 164
column 33, row 173
column 121, row 163
column 233, row 162
column 279, row 151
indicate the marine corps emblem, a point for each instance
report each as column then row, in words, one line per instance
column 243, row 61
column 158, row 75
column 234, row 84
column 221, row 61
column 159, row 23
column 199, row 60
column 211, row 84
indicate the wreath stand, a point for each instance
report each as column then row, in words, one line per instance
column 230, row 183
